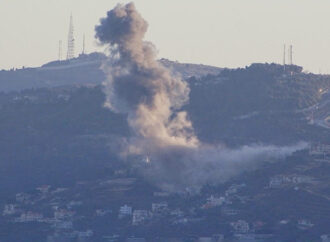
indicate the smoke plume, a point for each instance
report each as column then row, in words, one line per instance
column 140, row 87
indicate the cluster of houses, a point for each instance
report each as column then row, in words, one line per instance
column 280, row 181
column 320, row 152
column 64, row 215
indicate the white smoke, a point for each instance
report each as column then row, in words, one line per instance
column 139, row 86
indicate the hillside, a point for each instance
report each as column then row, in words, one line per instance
column 84, row 70
column 60, row 136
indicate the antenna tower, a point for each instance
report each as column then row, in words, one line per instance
column 284, row 54
column 70, row 53
column 60, row 50
column 84, row 45
column 291, row 54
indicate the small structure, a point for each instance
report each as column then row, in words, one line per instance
column 229, row 211
column 135, row 240
column 22, row 197
column 61, row 214
column 214, row 238
column 325, row 238
column 9, row 209
column 43, row 188
column 240, row 226
column 85, row 234
column 304, row 224
column 213, row 202
column 161, row 194
column 29, row 217
column 286, row 180
column 102, row 212
column 140, row 216
column 233, row 189
column 63, row 225
column 159, row 207
column 125, row 211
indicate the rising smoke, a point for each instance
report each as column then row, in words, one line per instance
column 139, row 86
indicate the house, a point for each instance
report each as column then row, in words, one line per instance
column 125, row 211
column 140, row 216
column 63, row 225
column 161, row 194
column 240, row 226
column 233, row 189
column 213, row 202
column 159, row 207
column 22, row 197
column 253, row 237
column 73, row 204
column 102, row 212
column 86, row 234
column 214, row 238
column 304, row 224
column 63, row 214
column 43, row 188
column 177, row 213
column 135, row 240
column 9, row 209
column 229, row 211
column 29, row 217
column 325, row 238
column 284, row 180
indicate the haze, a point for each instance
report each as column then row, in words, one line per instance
column 224, row 33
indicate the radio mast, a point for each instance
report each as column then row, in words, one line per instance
column 70, row 53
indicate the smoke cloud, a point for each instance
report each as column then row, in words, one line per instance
column 140, row 87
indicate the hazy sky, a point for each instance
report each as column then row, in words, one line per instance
column 225, row 33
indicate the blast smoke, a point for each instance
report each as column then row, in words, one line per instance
column 139, row 86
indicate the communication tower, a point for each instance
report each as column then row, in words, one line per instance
column 60, row 50
column 71, row 40
column 291, row 55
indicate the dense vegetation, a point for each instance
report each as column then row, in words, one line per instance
column 61, row 135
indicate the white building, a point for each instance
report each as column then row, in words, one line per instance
column 9, row 209
column 63, row 225
column 241, row 226
column 213, row 202
column 325, row 238
column 30, row 217
column 304, row 224
column 63, row 214
column 159, row 207
column 140, row 216
column 125, row 211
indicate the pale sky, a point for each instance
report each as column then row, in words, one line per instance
column 224, row 33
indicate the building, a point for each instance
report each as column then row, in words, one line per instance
column 9, row 209
column 241, row 227
column 63, row 214
column 285, row 180
column 161, row 194
column 214, row 238
column 29, row 217
column 213, row 202
column 325, row 238
column 135, row 240
column 140, row 216
column 253, row 237
column 159, row 207
column 125, row 211
column 22, row 197
column 304, row 224
column 44, row 188
column 63, row 225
